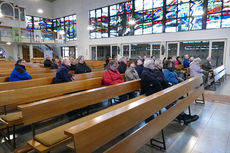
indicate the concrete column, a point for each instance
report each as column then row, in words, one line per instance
column 20, row 51
column 31, row 51
column 15, row 52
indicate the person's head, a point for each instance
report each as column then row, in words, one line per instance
column 145, row 57
column 209, row 59
column 191, row 58
column 66, row 61
column 169, row 58
column 139, row 62
column 132, row 64
column 168, row 65
column 186, row 56
column 81, row 59
column 53, row 60
column 72, row 61
column 159, row 63
column 164, row 60
column 174, row 58
column 178, row 58
column 123, row 59
column 47, row 57
column 21, row 62
column 112, row 65
column 149, row 63
column 153, row 57
column 197, row 60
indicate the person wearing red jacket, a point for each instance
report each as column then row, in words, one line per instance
column 112, row 76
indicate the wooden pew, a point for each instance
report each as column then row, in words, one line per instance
column 218, row 74
column 87, row 137
column 44, row 81
column 37, row 111
column 34, row 76
column 13, row 98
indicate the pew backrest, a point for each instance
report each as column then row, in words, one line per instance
column 87, row 138
column 45, row 109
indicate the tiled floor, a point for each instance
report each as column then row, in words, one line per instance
column 209, row 134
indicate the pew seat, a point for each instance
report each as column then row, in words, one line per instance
column 12, row 116
column 44, row 141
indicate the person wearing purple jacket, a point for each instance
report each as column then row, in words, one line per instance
column 196, row 70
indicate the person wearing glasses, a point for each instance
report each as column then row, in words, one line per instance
column 19, row 72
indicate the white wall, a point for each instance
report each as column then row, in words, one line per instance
column 33, row 5
column 10, row 50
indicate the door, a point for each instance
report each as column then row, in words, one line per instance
column 93, row 52
column 172, row 49
column 217, row 52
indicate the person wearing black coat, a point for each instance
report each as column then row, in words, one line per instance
column 63, row 74
column 54, row 65
column 123, row 65
column 47, row 62
column 139, row 68
column 82, row 67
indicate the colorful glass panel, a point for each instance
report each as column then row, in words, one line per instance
column 148, row 4
column 171, row 11
column 158, row 3
column 226, row 5
column 213, row 21
column 226, row 19
column 183, row 10
column 196, row 8
column 214, row 6
column 157, row 27
column 195, row 23
column 139, row 5
column 171, row 25
column 183, row 24
column 171, row 2
column 158, row 14
column 29, row 22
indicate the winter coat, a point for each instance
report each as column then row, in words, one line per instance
column 160, row 77
column 111, row 77
column 131, row 74
column 47, row 63
column 195, row 69
column 207, row 65
column 19, row 73
column 82, row 68
column 72, row 67
column 149, row 82
column 139, row 69
column 54, row 66
column 63, row 74
column 186, row 63
column 170, row 76
column 122, row 67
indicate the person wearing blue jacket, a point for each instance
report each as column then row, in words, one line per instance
column 186, row 61
column 169, row 73
column 19, row 73
column 63, row 74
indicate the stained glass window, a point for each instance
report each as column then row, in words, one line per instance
column 147, row 24
column 226, row 5
column 98, row 24
column 171, row 11
column 195, row 23
column 226, row 20
column 148, row 4
column 213, row 21
column 183, row 10
column 158, row 3
column 37, row 23
column 157, row 27
column 196, row 8
column 105, row 22
column 171, row 25
column 139, row 23
column 171, row 2
column 214, row 6
column 183, row 24
column 29, row 22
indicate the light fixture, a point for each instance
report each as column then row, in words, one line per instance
column 90, row 28
column 132, row 22
column 40, row 11
column 62, row 32
column 8, row 43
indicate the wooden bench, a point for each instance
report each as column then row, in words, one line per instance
column 13, row 98
column 37, row 111
column 218, row 74
column 95, row 130
column 44, row 81
column 34, row 76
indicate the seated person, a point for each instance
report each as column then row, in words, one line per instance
column 47, row 62
column 19, row 73
column 63, row 74
column 178, row 61
column 207, row 64
column 73, row 64
column 54, row 65
column 82, row 67
column 186, row 61
column 139, row 67
column 123, row 65
column 195, row 69
column 131, row 74
column 169, row 73
column 112, row 76
column 149, row 82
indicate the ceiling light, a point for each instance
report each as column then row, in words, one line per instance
column 40, row 11
column 62, row 32
column 8, row 43
column 90, row 27
column 132, row 22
